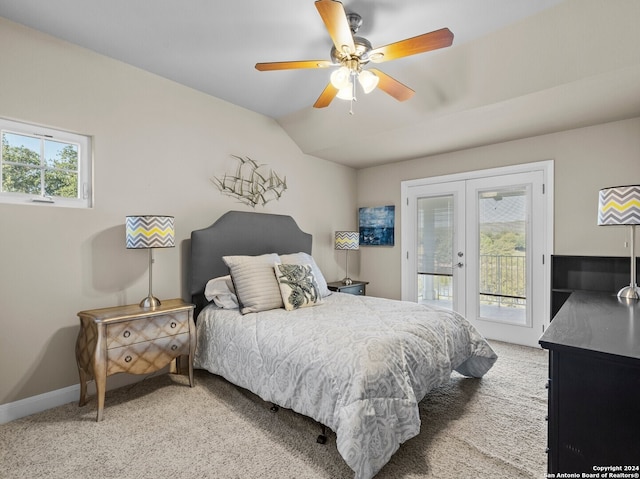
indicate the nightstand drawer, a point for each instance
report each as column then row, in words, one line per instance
column 139, row 330
column 148, row 356
column 357, row 289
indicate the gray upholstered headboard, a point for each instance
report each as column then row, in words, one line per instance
column 239, row 233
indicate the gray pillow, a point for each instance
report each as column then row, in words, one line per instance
column 255, row 282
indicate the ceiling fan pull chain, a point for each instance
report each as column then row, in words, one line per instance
column 353, row 82
column 353, row 93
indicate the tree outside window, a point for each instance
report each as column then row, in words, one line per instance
column 39, row 166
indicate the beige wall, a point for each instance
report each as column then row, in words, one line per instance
column 156, row 146
column 585, row 160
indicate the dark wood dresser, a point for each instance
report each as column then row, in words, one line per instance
column 587, row 273
column 594, row 385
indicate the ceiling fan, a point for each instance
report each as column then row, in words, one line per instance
column 350, row 53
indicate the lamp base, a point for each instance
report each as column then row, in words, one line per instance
column 150, row 302
column 347, row 281
column 629, row 292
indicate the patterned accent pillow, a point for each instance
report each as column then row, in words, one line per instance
column 256, row 287
column 305, row 258
column 298, row 286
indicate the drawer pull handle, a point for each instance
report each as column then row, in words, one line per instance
column 174, row 347
column 126, row 334
column 173, row 324
column 128, row 359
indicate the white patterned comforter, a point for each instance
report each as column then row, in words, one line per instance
column 357, row 364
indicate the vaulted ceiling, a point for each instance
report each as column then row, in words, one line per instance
column 516, row 68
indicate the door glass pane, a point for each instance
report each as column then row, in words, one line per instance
column 435, row 250
column 502, row 281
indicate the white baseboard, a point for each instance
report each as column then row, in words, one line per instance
column 34, row 404
column 41, row 402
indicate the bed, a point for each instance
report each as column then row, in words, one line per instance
column 356, row 364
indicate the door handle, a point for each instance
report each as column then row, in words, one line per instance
column 460, row 265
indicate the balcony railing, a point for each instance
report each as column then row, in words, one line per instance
column 502, row 282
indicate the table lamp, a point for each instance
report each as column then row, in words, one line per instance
column 347, row 240
column 620, row 205
column 150, row 231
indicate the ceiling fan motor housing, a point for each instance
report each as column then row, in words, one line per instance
column 363, row 47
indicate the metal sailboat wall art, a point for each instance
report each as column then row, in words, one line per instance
column 250, row 184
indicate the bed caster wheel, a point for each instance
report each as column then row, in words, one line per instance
column 322, row 439
column 274, row 409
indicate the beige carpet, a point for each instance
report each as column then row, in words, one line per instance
column 159, row 428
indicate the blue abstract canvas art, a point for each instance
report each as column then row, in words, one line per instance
column 377, row 226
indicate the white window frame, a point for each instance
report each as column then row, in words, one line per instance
column 85, row 179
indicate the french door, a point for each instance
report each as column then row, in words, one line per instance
column 478, row 246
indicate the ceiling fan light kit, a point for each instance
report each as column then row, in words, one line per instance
column 368, row 81
column 341, row 78
column 350, row 53
column 344, row 80
column 346, row 93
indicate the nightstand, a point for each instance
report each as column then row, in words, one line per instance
column 359, row 288
column 134, row 340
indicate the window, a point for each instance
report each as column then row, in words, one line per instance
column 44, row 166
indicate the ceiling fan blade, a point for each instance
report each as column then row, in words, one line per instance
column 326, row 97
column 391, row 86
column 411, row 46
column 335, row 19
column 263, row 67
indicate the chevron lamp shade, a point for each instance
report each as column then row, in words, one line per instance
column 347, row 240
column 150, row 231
column 619, row 205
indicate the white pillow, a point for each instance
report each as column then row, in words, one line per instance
column 255, row 282
column 298, row 286
column 220, row 290
column 305, row 258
